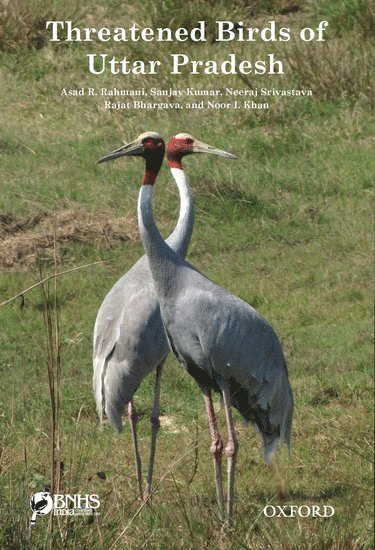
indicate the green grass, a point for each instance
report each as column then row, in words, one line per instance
column 288, row 227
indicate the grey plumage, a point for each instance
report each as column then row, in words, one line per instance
column 228, row 341
column 129, row 341
column 220, row 338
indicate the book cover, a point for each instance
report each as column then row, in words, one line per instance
column 286, row 87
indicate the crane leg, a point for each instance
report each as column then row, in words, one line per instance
column 133, row 419
column 216, row 448
column 231, row 451
column 155, row 425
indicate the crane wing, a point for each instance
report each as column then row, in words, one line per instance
column 129, row 341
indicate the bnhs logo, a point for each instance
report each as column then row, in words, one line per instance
column 42, row 504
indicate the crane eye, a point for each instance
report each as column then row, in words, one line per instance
column 189, row 141
column 148, row 141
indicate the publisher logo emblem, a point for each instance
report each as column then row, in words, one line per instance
column 40, row 504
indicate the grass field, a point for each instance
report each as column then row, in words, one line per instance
column 287, row 227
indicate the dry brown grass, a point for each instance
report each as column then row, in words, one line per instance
column 19, row 23
column 338, row 70
column 24, row 239
column 23, row 23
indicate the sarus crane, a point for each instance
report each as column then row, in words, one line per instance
column 223, row 342
column 129, row 338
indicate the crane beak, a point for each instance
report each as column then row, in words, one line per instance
column 200, row 147
column 133, row 149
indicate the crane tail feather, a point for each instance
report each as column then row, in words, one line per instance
column 270, row 441
column 106, row 402
column 114, row 414
column 98, row 386
column 286, row 427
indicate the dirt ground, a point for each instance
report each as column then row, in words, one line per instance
column 25, row 239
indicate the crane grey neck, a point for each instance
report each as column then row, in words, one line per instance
column 180, row 238
column 163, row 261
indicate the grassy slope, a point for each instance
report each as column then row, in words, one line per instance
column 286, row 227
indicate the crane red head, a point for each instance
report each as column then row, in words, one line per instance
column 185, row 144
column 150, row 146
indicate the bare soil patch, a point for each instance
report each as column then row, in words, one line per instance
column 24, row 239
